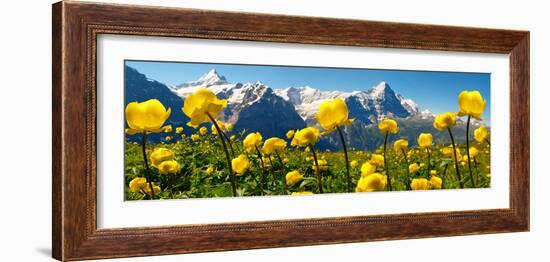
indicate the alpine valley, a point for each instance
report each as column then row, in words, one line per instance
column 272, row 112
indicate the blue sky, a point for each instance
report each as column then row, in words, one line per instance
column 436, row 91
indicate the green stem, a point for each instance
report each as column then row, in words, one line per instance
column 456, row 159
column 147, row 174
column 468, row 152
column 346, row 156
column 233, row 179
column 262, row 175
column 443, row 177
column 229, row 143
column 272, row 171
column 429, row 156
column 317, row 170
column 488, row 142
column 386, row 163
column 285, row 187
column 408, row 179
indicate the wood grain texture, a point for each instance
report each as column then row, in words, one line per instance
column 76, row 27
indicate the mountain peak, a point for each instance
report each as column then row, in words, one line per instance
column 381, row 90
column 212, row 78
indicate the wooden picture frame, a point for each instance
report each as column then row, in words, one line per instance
column 76, row 26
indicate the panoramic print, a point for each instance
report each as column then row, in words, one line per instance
column 205, row 130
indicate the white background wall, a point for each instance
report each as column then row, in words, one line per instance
column 25, row 131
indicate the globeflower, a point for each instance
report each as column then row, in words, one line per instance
column 179, row 130
column 420, row 184
column 481, row 134
column 445, row 121
column 195, row 137
column 290, row 134
column 146, row 117
column 137, row 184
column 333, row 113
column 273, row 145
column 377, row 160
column 156, row 189
column 323, row 165
column 210, row 170
column 371, row 183
column 413, row 168
column 354, row 163
column 160, row 155
column 400, row 145
column 251, row 141
column 202, row 106
column 240, row 164
column 471, row 103
column 435, row 182
column 425, row 140
column 293, row 177
column 367, row 169
column 305, row 137
column 388, row 126
column 169, row 167
column 203, row 131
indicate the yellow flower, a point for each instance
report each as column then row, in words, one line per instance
column 286, row 160
column 160, row 155
column 367, row 169
column 228, row 127
column 210, row 170
column 293, row 177
column 169, row 167
column 202, row 104
column 137, row 183
column 168, row 138
column 425, row 140
column 273, row 145
column 147, row 189
column 420, row 184
column 371, row 183
column 179, row 130
column 333, row 113
column 388, row 126
column 306, row 136
column 307, row 150
column 471, row 103
column 267, row 160
column 473, row 152
column 323, row 165
column 400, row 145
column 167, row 129
column 448, row 152
column 240, row 164
column 221, row 125
column 354, row 163
column 413, row 168
column 290, row 134
column 148, row 116
column 480, row 134
column 233, row 138
column 302, row 193
column 433, row 172
column 444, row 121
column 252, row 141
column 203, row 131
column 435, row 182
column 194, row 137
column 377, row 160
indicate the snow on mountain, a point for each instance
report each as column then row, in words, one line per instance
column 368, row 105
column 379, row 101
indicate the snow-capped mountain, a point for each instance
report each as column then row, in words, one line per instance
column 370, row 105
column 251, row 106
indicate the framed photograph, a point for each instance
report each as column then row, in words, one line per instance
column 182, row 130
